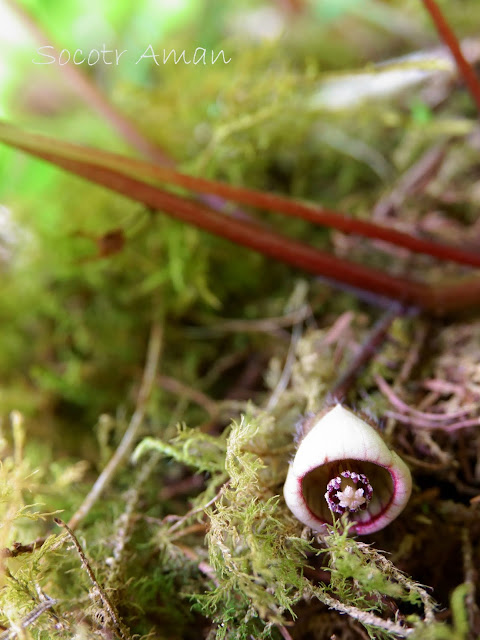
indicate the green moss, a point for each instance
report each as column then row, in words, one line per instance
column 192, row 538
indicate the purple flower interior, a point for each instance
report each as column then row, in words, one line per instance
column 376, row 482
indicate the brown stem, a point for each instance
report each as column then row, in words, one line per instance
column 81, row 84
column 367, row 351
column 17, row 548
column 455, row 296
column 248, row 234
column 434, row 299
column 40, row 145
column 315, row 214
column 108, row 604
column 89, row 93
column 452, row 43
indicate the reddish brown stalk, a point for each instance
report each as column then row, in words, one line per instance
column 249, row 234
column 87, row 91
column 316, row 215
column 81, row 84
column 319, row 215
column 450, row 39
column 96, row 169
column 280, row 204
column 93, row 97
column 455, row 295
column 245, row 233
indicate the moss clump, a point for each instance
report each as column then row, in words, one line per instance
column 191, row 538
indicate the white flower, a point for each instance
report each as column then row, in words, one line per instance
column 343, row 466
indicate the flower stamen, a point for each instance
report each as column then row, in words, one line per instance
column 349, row 491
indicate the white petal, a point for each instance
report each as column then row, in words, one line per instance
column 341, row 435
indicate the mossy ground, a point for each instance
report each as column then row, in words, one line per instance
column 192, row 538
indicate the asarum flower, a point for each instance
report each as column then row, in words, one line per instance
column 343, row 466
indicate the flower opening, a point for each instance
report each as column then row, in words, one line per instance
column 343, row 466
column 349, row 491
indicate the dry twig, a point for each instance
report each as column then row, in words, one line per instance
column 421, row 418
column 428, row 424
column 365, row 617
column 29, row 619
column 128, row 440
column 368, row 349
column 108, row 605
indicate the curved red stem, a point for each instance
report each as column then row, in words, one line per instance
column 451, row 40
